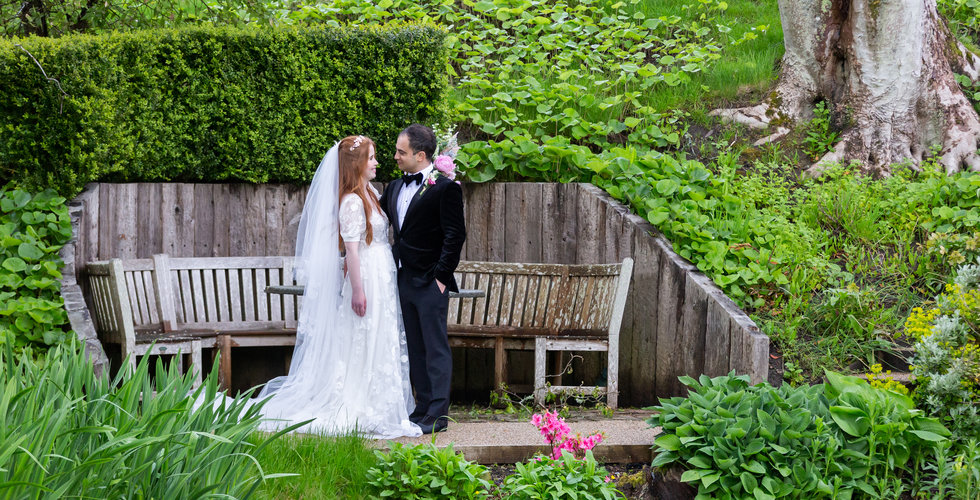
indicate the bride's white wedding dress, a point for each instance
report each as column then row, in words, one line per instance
column 352, row 373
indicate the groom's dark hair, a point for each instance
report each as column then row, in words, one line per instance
column 421, row 138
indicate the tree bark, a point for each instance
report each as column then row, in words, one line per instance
column 886, row 69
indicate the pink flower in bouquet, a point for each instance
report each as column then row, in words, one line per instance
column 446, row 165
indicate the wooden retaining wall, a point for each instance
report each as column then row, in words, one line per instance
column 677, row 321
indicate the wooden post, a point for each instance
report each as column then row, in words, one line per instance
column 224, row 365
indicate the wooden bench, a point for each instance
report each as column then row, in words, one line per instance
column 195, row 302
column 544, row 308
column 208, row 301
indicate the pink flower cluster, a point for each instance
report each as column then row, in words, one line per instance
column 555, row 433
column 446, row 165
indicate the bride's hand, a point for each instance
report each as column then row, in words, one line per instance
column 358, row 303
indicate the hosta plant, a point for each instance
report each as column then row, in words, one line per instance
column 842, row 439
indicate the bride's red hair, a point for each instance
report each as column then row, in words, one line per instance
column 352, row 161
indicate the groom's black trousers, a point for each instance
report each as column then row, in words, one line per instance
column 430, row 360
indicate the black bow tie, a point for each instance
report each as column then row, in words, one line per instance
column 410, row 178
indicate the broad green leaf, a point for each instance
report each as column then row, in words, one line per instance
column 14, row 264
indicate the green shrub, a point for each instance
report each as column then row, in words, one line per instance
column 566, row 477
column 69, row 433
column 32, row 231
column 424, row 471
column 210, row 104
column 830, row 440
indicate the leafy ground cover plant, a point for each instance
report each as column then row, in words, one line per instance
column 564, row 477
column 68, row 433
column 33, row 228
column 424, row 471
column 841, row 439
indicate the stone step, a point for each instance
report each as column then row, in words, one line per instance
column 627, row 440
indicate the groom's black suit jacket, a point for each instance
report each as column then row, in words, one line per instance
column 429, row 243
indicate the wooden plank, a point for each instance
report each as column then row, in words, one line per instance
column 164, row 292
column 590, row 225
column 523, row 222
column 237, row 204
column 293, row 209
column 673, row 283
column 465, row 307
column 127, row 244
column 645, row 290
column 255, row 220
column 185, row 306
column 248, row 295
column 134, row 302
column 452, row 315
column 737, row 347
column 224, row 365
column 717, row 339
column 149, row 210
column 507, row 293
column 106, row 241
column 496, row 223
column 695, row 312
column 568, row 202
column 169, row 218
column 235, row 295
column 210, row 295
column 274, row 262
column 274, row 299
column 89, row 228
column 198, row 291
column 203, row 219
column 223, row 217
column 261, row 298
column 275, row 203
column 520, row 301
column 551, row 218
column 184, row 222
column 477, row 199
column 758, row 354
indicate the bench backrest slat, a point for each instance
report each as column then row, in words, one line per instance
column 576, row 298
column 230, row 292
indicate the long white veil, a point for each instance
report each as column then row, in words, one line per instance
column 319, row 267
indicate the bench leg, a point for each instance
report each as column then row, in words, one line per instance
column 499, row 365
column 196, row 362
column 224, row 366
column 540, row 356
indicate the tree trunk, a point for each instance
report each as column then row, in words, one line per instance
column 886, row 70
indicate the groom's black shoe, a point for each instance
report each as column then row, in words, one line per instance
column 432, row 425
column 415, row 419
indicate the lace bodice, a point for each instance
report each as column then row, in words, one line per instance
column 352, row 222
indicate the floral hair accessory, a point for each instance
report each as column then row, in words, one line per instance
column 357, row 142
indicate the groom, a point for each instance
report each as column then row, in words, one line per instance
column 426, row 212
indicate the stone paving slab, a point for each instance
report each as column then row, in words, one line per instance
column 627, row 439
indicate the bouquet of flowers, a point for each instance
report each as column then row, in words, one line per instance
column 444, row 161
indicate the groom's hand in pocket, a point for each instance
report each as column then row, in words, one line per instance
column 442, row 288
column 358, row 302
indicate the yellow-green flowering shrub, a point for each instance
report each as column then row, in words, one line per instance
column 947, row 356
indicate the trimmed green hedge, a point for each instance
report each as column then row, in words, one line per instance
column 210, row 104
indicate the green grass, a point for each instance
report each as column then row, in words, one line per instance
column 751, row 65
column 327, row 467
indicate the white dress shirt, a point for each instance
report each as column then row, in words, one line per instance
column 408, row 192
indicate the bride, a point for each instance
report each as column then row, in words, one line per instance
column 349, row 370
